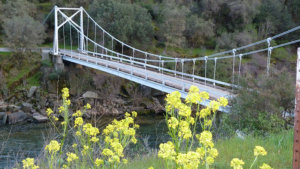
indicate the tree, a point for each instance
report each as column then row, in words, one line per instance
column 23, row 33
column 199, row 31
column 17, row 8
column 273, row 17
column 127, row 22
column 174, row 23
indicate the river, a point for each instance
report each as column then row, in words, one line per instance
column 27, row 140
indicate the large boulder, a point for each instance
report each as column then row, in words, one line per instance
column 16, row 117
column 31, row 91
column 90, row 95
column 39, row 118
column 26, row 107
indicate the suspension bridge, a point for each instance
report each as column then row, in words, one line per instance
column 83, row 41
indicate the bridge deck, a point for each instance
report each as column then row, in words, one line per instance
column 160, row 78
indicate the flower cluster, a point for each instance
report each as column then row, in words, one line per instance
column 118, row 135
column 71, row 157
column 188, row 160
column 237, row 163
column 53, row 147
column 28, row 163
column 166, row 151
column 182, row 124
column 258, row 151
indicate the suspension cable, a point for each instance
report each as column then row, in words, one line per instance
column 240, row 64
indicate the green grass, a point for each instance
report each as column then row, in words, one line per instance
column 34, row 80
column 279, row 148
column 5, row 55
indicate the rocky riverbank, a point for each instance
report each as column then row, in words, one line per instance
column 30, row 105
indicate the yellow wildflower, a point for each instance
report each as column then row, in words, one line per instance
column 237, row 163
column 184, row 110
column 151, row 167
column 49, row 111
column 214, row 105
column 71, row 157
column 28, row 163
column 65, row 93
column 53, row 146
column 77, row 114
column 205, row 138
column 133, row 140
column 173, row 122
column 61, row 109
column 193, row 95
column 98, row 162
column 166, row 151
column 209, row 160
column 87, row 106
column 265, row 166
column 78, row 122
column 78, row 133
column 74, row 145
column 127, row 114
column 189, row 160
column 90, row 130
column 213, row 152
column 223, row 101
column 68, row 102
column 134, row 114
column 184, row 130
column 94, row 139
column 107, row 152
column 258, row 150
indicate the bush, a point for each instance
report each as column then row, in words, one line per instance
column 263, row 105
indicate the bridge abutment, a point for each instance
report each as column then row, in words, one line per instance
column 58, row 63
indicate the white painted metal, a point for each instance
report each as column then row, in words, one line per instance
column 55, row 39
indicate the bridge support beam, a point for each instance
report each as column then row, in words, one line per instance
column 81, row 31
column 296, row 149
column 55, row 39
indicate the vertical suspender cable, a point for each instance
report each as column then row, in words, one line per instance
column 145, row 60
column 182, row 64
column 215, row 68
column 71, row 38
column 103, row 42
column 175, row 66
column 205, row 57
column 112, row 43
column 233, row 65
column 64, row 37
column 269, row 55
column 240, row 64
column 162, row 72
column 159, row 63
column 78, row 40
column 87, row 34
column 122, row 48
column 194, row 60
column 95, row 38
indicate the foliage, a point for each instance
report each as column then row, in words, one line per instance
column 23, row 33
column 263, row 105
column 198, row 31
column 127, row 22
column 11, row 9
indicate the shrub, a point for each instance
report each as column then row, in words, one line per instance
column 263, row 104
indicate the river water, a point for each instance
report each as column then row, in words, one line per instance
column 27, row 140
